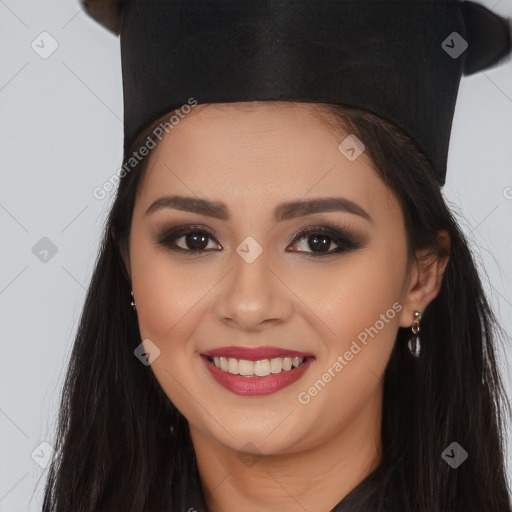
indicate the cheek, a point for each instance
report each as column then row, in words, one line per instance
column 357, row 295
column 165, row 293
column 168, row 298
column 360, row 304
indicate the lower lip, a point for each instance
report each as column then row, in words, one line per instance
column 257, row 386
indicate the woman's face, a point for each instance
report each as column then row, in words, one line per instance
column 250, row 177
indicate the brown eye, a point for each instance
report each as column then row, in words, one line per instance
column 319, row 240
column 319, row 244
column 195, row 241
column 187, row 240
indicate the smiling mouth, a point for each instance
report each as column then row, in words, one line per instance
column 256, row 369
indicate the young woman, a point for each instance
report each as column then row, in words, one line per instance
column 284, row 315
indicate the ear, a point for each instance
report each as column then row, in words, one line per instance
column 425, row 278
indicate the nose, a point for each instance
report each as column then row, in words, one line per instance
column 253, row 295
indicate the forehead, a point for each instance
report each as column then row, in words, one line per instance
column 256, row 151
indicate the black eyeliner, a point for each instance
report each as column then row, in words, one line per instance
column 339, row 234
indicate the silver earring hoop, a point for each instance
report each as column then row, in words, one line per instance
column 414, row 343
column 132, row 303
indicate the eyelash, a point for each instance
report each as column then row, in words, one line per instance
column 345, row 240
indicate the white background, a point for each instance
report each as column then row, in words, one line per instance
column 61, row 136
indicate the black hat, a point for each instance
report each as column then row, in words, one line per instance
column 400, row 59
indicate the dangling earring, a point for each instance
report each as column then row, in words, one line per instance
column 132, row 304
column 414, row 343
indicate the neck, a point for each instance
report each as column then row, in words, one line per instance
column 315, row 479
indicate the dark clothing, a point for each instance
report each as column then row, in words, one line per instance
column 363, row 498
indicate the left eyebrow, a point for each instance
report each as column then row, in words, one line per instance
column 293, row 209
column 284, row 211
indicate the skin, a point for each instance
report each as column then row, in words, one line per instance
column 253, row 156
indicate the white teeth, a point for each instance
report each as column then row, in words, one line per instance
column 233, row 366
column 261, row 368
column 276, row 365
column 245, row 367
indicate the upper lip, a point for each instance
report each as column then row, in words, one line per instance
column 254, row 353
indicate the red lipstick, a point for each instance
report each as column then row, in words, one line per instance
column 253, row 385
column 254, row 354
